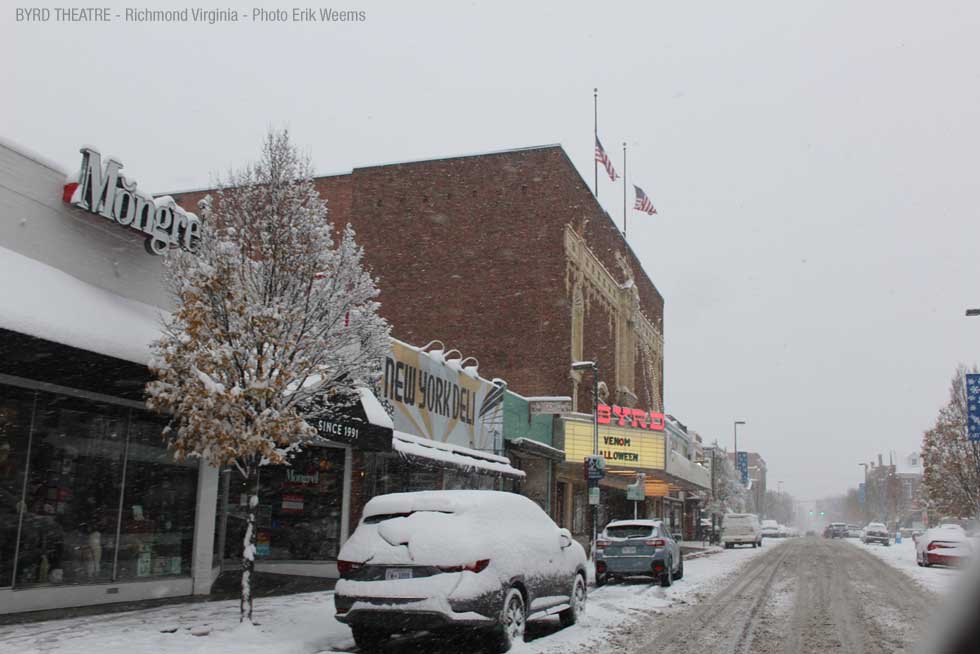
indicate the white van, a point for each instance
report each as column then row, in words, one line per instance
column 741, row 529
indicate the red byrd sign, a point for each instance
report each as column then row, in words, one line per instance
column 621, row 416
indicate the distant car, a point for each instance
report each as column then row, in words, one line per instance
column 810, row 532
column 875, row 532
column 629, row 548
column 741, row 529
column 770, row 529
column 836, row 530
column 944, row 545
column 438, row 560
column 853, row 531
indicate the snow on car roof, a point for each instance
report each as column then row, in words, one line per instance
column 448, row 501
column 637, row 523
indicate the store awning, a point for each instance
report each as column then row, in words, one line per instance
column 364, row 424
column 536, row 448
column 446, row 455
column 41, row 301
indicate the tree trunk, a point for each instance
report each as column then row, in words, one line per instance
column 248, row 552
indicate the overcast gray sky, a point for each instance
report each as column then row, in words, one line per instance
column 815, row 168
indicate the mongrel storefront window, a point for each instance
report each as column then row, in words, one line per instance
column 16, row 408
column 90, row 492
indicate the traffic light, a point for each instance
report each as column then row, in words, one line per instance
column 821, row 513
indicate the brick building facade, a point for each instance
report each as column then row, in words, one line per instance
column 508, row 257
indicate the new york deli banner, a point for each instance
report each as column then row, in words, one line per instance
column 439, row 400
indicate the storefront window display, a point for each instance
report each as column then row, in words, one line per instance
column 157, row 523
column 78, row 462
column 75, row 471
column 16, row 408
column 299, row 512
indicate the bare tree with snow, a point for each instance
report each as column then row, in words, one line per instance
column 275, row 322
column 950, row 461
column 728, row 493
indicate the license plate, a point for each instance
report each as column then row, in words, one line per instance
column 397, row 573
column 629, row 550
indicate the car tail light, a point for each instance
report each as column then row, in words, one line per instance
column 343, row 609
column 347, row 567
column 656, row 542
column 658, row 567
column 937, row 546
column 600, row 567
column 477, row 566
column 601, row 544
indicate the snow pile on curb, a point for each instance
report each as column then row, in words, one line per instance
column 902, row 556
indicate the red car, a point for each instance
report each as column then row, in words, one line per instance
column 943, row 545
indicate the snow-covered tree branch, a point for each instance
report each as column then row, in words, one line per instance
column 275, row 322
column 951, row 463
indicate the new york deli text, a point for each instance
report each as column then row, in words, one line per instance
column 621, row 416
column 409, row 385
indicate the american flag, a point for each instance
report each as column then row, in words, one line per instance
column 643, row 202
column 603, row 158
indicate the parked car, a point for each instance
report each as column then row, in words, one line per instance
column 770, row 529
column 853, row 531
column 875, row 532
column 943, row 545
column 435, row 560
column 638, row 548
column 741, row 529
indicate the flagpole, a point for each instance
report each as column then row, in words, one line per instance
column 624, row 189
column 595, row 137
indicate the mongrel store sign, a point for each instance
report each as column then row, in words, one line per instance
column 627, row 438
column 104, row 191
column 440, row 401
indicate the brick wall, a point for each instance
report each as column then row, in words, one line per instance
column 470, row 251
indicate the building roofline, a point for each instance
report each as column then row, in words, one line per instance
column 450, row 157
column 468, row 155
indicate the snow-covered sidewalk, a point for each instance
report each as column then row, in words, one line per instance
column 304, row 624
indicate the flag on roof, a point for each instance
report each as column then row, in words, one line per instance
column 643, row 202
column 603, row 158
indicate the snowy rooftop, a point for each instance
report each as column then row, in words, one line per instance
column 84, row 316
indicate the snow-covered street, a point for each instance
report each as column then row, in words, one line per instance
column 304, row 624
column 821, row 595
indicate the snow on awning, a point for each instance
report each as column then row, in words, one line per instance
column 39, row 300
column 537, row 448
column 454, row 456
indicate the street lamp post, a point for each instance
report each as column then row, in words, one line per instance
column 581, row 366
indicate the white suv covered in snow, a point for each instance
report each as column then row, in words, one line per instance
column 434, row 560
column 741, row 529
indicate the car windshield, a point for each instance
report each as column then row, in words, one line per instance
column 629, row 531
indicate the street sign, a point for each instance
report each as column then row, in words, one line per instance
column 595, row 467
column 549, row 405
column 861, row 492
column 593, row 495
column 637, row 491
column 973, row 406
column 743, row 467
